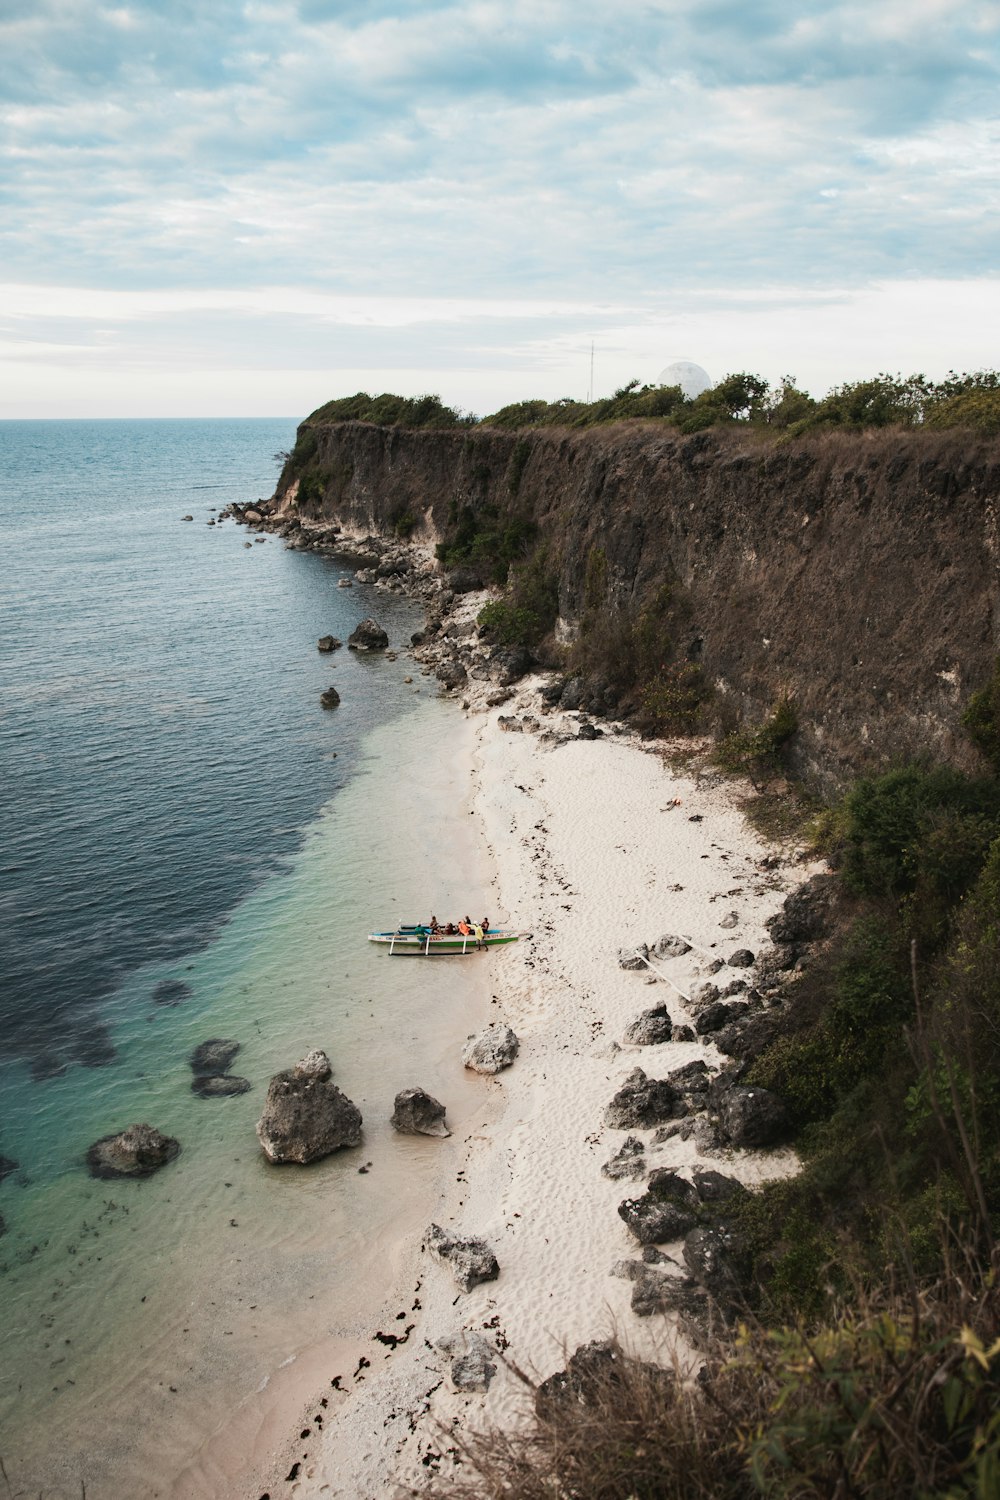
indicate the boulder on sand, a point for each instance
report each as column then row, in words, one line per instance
column 136, row 1151
column 492, row 1050
column 471, row 1260
column 650, row 1029
column 368, row 636
column 305, row 1115
column 417, row 1113
column 641, row 1102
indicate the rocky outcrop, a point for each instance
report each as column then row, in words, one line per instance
column 854, row 572
column 492, row 1050
column 650, row 1029
column 305, row 1115
column 417, row 1113
column 640, row 1103
column 328, row 643
column 471, row 1260
column 752, row 1117
column 137, row 1151
column 329, row 698
column 213, row 1056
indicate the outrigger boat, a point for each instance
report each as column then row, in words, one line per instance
column 417, row 941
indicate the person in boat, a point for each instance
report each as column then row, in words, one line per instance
column 433, row 927
column 450, row 929
column 465, row 927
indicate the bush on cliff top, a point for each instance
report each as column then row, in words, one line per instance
column 391, row 411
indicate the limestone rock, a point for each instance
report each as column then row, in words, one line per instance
column 305, row 1115
column 137, row 1151
column 492, row 1050
column 669, row 946
column 328, row 643
column 472, row 1368
column 640, row 1102
column 471, row 1260
column 628, row 1161
column 329, row 698
column 368, row 636
column 741, row 959
column 651, row 1028
column 633, row 958
column 417, row 1113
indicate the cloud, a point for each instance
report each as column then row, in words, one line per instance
column 473, row 151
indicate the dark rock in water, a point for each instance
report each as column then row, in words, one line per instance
column 7, row 1165
column 752, row 1117
column 214, row 1056
column 47, row 1065
column 633, row 958
column 3, row 1227
column 305, row 1115
column 136, row 1151
column 330, row 698
column 628, row 1161
column 368, row 636
column 417, row 1113
column 471, row 1260
column 328, row 643
column 492, row 1050
column 640, row 1102
column 741, row 959
column 95, row 1049
column 171, row 992
column 219, row 1085
column 650, row 1029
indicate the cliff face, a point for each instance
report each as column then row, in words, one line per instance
column 858, row 573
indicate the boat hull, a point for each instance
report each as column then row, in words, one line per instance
column 407, row 942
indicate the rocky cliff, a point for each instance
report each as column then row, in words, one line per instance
column 857, row 573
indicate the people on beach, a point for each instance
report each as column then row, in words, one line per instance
column 485, row 925
column 477, row 932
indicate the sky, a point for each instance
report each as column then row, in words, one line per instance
column 210, row 207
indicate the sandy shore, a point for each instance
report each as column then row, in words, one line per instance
column 592, row 852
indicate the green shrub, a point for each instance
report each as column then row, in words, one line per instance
column 982, row 715
column 671, row 701
column 760, row 749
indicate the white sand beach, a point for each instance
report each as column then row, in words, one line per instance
column 596, row 845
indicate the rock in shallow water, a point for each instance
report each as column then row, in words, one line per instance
column 417, row 1113
column 220, row 1085
column 213, row 1056
column 136, row 1151
column 368, row 636
column 171, row 992
column 305, row 1115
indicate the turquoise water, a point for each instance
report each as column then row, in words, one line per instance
column 176, row 806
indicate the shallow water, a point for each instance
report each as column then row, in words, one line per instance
column 139, row 1315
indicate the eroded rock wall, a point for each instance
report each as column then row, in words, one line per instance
column 858, row 572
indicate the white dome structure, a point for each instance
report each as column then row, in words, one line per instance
column 691, row 378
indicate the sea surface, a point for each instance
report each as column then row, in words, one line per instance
column 191, row 847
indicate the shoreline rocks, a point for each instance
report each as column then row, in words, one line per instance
column 492, row 1050
column 471, row 1260
column 305, row 1115
column 416, row 1112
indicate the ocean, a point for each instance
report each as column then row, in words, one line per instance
column 191, row 847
